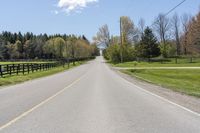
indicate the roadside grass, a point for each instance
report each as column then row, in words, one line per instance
column 171, row 63
column 184, row 81
column 5, row 63
column 10, row 80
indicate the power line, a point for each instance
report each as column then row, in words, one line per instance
column 174, row 8
column 171, row 10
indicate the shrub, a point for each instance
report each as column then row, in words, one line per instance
column 113, row 53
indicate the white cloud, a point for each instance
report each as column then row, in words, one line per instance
column 74, row 5
column 56, row 12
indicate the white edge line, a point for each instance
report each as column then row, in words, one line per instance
column 162, row 98
column 39, row 105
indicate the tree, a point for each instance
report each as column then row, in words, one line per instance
column 37, row 46
column 192, row 35
column 82, row 49
column 95, row 50
column 12, row 50
column 3, row 49
column 85, row 39
column 148, row 46
column 114, row 40
column 103, row 36
column 129, row 31
column 49, row 49
column 27, row 49
column 185, row 20
column 162, row 27
column 30, row 46
column 20, row 48
column 112, row 53
column 59, row 46
column 175, row 22
column 141, row 26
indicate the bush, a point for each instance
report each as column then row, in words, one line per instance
column 168, row 50
column 113, row 53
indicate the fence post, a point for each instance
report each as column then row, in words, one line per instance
column 40, row 67
column 28, row 68
column 191, row 59
column 23, row 69
column 32, row 68
column 18, row 67
column 7, row 68
column 1, row 70
column 10, row 69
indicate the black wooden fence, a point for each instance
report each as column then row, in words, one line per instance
column 11, row 69
column 26, row 68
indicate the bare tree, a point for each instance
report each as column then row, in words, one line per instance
column 103, row 36
column 128, row 29
column 185, row 19
column 175, row 22
column 162, row 27
column 141, row 25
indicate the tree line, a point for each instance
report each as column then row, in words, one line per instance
column 43, row 46
column 174, row 36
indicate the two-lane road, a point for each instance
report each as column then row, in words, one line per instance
column 90, row 99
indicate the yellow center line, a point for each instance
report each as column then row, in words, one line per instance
column 39, row 105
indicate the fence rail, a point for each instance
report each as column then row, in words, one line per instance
column 26, row 68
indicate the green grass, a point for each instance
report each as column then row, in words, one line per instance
column 184, row 81
column 171, row 63
column 5, row 63
column 10, row 80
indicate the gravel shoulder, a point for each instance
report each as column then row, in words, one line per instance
column 189, row 102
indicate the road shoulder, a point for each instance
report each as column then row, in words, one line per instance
column 186, row 101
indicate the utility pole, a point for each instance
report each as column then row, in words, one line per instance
column 121, row 38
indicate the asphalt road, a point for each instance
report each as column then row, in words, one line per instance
column 90, row 99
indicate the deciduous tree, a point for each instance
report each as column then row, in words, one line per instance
column 175, row 22
column 103, row 36
column 129, row 31
column 162, row 27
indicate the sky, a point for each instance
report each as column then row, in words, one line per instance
column 82, row 17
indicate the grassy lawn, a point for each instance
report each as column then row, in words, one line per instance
column 184, row 81
column 171, row 63
column 10, row 80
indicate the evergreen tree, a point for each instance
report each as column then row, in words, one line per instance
column 148, row 46
column 30, row 46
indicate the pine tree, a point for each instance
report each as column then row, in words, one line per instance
column 149, row 47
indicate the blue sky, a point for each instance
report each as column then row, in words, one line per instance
column 82, row 16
